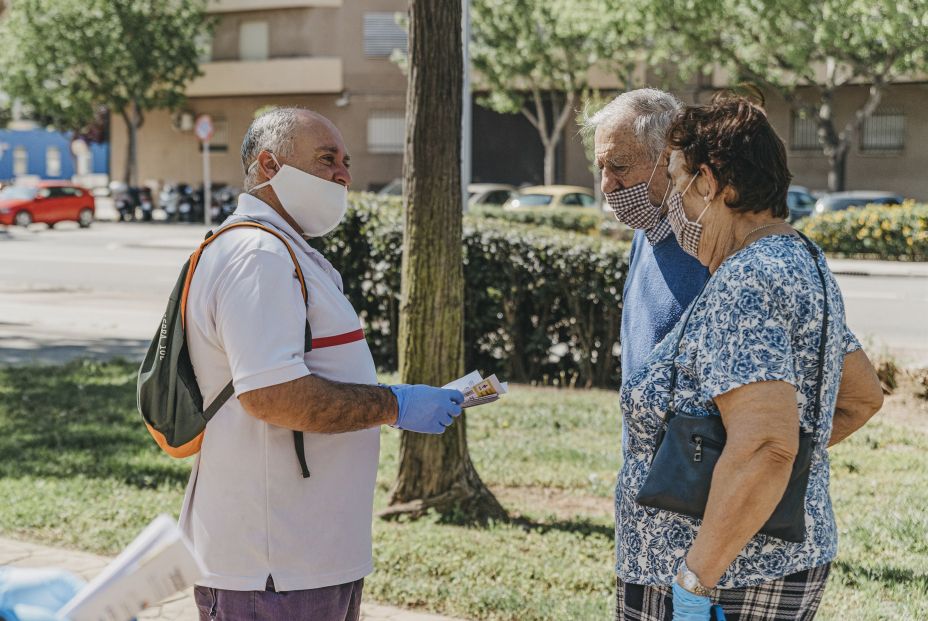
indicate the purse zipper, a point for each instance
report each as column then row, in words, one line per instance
column 699, row 441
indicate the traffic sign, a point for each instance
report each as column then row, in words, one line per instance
column 203, row 128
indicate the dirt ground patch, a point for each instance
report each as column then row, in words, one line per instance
column 907, row 405
column 561, row 504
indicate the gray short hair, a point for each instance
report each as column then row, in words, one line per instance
column 653, row 109
column 270, row 131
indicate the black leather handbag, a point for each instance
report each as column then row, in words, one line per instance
column 688, row 448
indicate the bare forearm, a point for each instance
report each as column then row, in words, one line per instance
column 317, row 405
column 844, row 424
column 743, row 495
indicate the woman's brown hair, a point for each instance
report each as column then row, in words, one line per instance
column 733, row 137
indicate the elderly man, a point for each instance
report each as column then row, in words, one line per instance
column 281, row 541
column 630, row 138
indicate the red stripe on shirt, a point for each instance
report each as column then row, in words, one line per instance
column 339, row 339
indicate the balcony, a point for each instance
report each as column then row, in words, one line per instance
column 279, row 76
column 233, row 6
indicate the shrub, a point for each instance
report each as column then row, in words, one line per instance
column 576, row 219
column 888, row 232
column 541, row 305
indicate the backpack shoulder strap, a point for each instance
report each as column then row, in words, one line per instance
column 195, row 259
column 226, row 393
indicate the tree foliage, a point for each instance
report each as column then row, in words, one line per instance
column 534, row 57
column 66, row 58
column 803, row 51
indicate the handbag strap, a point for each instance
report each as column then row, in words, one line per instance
column 820, row 380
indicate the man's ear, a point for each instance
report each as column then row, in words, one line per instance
column 267, row 164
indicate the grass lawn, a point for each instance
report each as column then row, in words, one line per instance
column 80, row 471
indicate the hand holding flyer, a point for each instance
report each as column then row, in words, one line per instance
column 478, row 390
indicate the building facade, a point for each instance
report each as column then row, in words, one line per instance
column 36, row 152
column 333, row 56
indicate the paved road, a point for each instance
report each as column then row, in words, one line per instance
column 100, row 292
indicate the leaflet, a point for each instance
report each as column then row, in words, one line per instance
column 157, row 564
column 478, row 390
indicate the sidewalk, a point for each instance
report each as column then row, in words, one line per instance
column 854, row 267
column 178, row 608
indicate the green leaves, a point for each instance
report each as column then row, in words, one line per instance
column 65, row 58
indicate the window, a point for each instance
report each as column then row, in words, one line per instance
column 53, row 162
column 499, row 197
column 253, row 42
column 386, row 132
column 382, row 35
column 883, row 131
column 571, row 200
column 804, row 133
column 20, row 161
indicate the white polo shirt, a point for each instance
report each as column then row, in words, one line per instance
column 248, row 510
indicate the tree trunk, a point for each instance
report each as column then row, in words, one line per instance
column 837, row 171
column 131, row 118
column 550, row 155
column 435, row 471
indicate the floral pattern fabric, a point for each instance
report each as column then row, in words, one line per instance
column 759, row 319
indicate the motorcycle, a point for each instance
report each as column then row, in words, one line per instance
column 227, row 202
column 186, row 203
column 168, row 199
column 145, row 204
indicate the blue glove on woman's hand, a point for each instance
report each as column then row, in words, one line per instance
column 35, row 594
column 426, row 409
column 689, row 606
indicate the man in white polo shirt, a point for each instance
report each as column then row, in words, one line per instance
column 283, row 521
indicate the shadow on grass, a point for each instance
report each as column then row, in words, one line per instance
column 887, row 575
column 79, row 419
column 583, row 527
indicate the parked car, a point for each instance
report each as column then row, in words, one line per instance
column 493, row 194
column 552, row 196
column 839, row 201
column 48, row 202
column 800, row 202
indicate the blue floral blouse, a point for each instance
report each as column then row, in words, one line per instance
column 759, row 319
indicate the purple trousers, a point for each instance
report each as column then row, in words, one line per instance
column 334, row 603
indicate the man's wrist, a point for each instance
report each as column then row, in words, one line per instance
column 393, row 406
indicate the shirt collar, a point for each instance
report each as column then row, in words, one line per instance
column 659, row 232
column 250, row 206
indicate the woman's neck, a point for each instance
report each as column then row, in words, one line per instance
column 744, row 229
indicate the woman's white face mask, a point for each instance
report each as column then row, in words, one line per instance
column 315, row 204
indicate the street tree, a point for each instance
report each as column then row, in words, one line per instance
column 66, row 58
column 803, row 51
column 435, row 472
column 534, row 57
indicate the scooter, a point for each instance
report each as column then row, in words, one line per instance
column 185, row 203
column 168, row 199
column 145, row 204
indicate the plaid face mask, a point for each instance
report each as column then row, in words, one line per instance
column 688, row 233
column 632, row 206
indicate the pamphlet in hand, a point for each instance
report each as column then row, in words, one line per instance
column 159, row 563
column 478, row 390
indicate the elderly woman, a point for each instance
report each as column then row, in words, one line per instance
column 748, row 352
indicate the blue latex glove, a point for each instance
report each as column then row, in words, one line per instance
column 689, row 606
column 35, row 594
column 426, row 409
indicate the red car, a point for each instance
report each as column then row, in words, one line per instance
column 48, row 202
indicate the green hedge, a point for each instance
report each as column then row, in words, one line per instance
column 576, row 219
column 886, row 232
column 541, row 305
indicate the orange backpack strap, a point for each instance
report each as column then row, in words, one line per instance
column 195, row 259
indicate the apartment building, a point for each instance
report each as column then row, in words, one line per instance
column 332, row 56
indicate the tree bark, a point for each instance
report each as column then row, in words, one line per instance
column 133, row 119
column 435, row 472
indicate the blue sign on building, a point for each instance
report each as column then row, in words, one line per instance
column 47, row 154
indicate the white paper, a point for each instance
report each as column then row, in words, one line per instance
column 157, row 564
column 478, row 390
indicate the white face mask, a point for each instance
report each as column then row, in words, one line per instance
column 317, row 205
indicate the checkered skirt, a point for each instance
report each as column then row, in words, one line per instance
column 792, row 598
